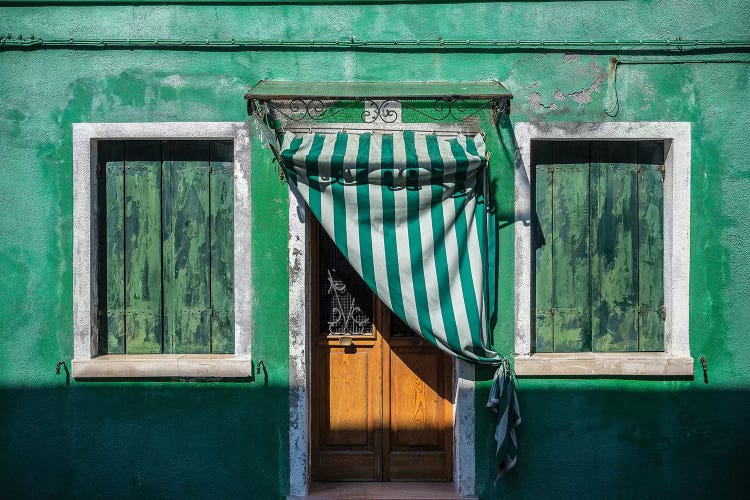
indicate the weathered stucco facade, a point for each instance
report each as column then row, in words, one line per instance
column 581, row 437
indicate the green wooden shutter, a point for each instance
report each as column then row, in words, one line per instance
column 186, row 248
column 651, row 246
column 599, row 246
column 614, row 245
column 222, row 245
column 112, row 317
column 570, row 247
column 564, row 259
column 544, row 172
column 143, row 265
column 167, row 247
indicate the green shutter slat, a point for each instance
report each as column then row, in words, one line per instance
column 570, row 247
column 222, row 247
column 651, row 246
column 111, row 158
column 614, row 235
column 544, row 332
column 186, row 252
column 143, row 319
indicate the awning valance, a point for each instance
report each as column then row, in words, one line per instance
column 410, row 213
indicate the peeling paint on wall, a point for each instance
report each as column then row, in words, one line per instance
column 584, row 96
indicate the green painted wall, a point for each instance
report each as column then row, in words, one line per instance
column 589, row 438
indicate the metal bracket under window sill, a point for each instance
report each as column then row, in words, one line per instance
column 199, row 366
column 587, row 364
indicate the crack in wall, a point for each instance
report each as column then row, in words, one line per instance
column 535, row 101
column 584, row 96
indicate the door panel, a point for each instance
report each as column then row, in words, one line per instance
column 415, row 401
column 381, row 396
column 348, row 399
column 347, row 391
column 418, row 444
column 419, row 420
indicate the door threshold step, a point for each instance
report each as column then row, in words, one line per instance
column 402, row 490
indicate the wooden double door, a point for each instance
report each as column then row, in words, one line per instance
column 382, row 405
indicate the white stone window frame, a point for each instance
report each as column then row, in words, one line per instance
column 87, row 362
column 675, row 361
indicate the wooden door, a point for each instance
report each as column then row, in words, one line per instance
column 381, row 396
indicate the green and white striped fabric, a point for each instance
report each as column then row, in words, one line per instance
column 504, row 402
column 410, row 213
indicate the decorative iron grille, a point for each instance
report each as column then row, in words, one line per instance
column 345, row 299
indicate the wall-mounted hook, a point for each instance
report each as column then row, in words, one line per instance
column 704, row 365
column 67, row 372
column 265, row 372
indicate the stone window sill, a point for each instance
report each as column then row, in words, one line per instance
column 635, row 364
column 163, row 366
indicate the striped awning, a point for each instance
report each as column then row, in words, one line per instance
column 410, row 213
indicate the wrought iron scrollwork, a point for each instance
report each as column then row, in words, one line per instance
column 443, row 108
column 500, row 107
column 345, row 320
column 382, row 110
column 298, row 110
column 314, row 109
column 455, row 108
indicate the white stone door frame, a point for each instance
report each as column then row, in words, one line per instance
column 300, row 290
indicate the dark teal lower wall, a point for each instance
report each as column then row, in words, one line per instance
column 144, row 440
column 580, row 438
column 611, row 440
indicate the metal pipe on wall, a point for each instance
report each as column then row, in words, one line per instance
column 672, row 46
column 23, row 3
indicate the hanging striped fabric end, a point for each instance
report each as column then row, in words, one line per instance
column 504, row 402
column 267, row 134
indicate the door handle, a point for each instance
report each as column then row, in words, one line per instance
column 345, row 340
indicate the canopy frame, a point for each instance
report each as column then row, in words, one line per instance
column 276, row 106
column 321, row 101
